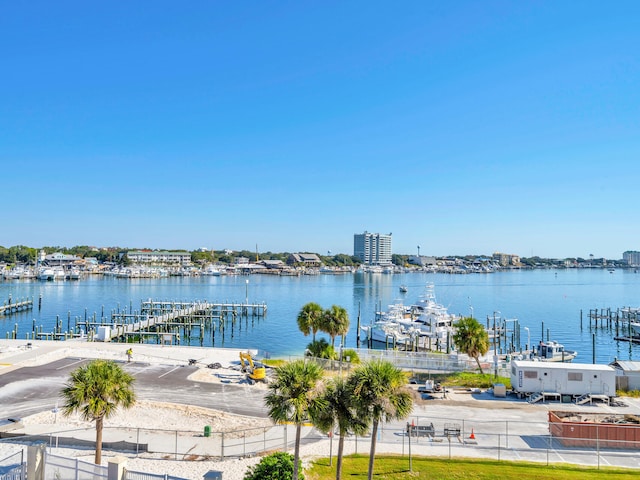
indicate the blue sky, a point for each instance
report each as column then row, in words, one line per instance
column 462, row 127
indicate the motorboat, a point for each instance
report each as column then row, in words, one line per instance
column 51, row 273
column 422, row 322
column 404, row 289
column 552, row 351
column 635, row 328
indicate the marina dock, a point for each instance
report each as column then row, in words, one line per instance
column 623, row 322
column 163, row 322
column 12, row 307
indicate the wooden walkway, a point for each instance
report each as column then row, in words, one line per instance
column 12, row 307
column 162, row 321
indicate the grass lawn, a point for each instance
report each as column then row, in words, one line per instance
column 395, row 467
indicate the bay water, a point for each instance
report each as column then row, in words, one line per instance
column 546, row 302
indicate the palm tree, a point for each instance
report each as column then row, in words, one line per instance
column 471, row 338
column 97, row 390
column 341, row 413
column 310, row 319
column 295, row 396
column 379, row 393
column 335, row 321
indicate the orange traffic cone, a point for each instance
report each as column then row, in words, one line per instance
column 472, row 436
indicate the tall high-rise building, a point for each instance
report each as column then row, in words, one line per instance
column 372, row 248
column 632, row 257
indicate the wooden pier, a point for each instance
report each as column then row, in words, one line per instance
column 12, row 307
column 165, row 322
column 619, row 321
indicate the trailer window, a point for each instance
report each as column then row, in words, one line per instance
column 575, row 376
column 530, row 374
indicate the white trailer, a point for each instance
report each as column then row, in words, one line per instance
column 556, row 379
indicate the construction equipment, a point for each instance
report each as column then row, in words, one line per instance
column 254, row 373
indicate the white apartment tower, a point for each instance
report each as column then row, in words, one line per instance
column 632, row 257
column 372, row 248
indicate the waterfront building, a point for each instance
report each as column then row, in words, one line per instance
column 506, row 259
column 304, row 259
column 372, row 248
column 422, row 261
column 59, row 259
column 632, row 258
column 159, row 257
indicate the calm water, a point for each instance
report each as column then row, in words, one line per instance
column 533, row 297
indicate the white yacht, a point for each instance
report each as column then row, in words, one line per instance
column 51, row 273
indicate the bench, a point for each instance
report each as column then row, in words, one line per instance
column 421, row 430
column 452, row 430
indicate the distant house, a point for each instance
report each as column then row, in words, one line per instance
column 55, row 259
column 159, row 257
column 304, row 259
column 422, row 261
column 506, row 259
column 272, row 264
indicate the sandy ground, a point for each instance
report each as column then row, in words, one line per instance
column 144, row 414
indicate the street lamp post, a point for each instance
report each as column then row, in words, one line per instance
column 495, row 352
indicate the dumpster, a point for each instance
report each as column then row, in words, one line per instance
column 207, row 431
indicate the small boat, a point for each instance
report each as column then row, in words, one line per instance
column 635, row 329
column 552, row 351
column 403, row 289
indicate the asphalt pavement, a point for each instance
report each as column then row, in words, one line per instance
column 28, row 390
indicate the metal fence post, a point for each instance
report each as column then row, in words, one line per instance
column 176, row 449
column 410, row 459
column 598, row 445
column 548, row 448
column 507, row 432
column 222, row 446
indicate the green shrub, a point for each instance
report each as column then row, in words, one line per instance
column 277, row 466
column 321, row 349
column 352, row 354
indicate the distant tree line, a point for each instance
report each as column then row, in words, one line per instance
column 24, row 254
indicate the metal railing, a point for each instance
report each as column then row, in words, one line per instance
column 131, row 475
column 57, row 467
column 13, row 467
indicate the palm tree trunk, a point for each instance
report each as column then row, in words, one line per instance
column 98, row 457
column 296, row 451
column 372, row 451
column 340, row 453
column 479, row 366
